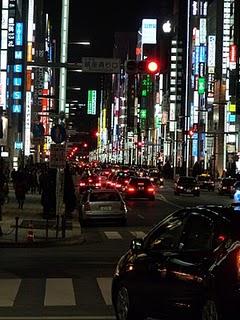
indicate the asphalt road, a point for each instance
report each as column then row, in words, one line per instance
column 74, row 282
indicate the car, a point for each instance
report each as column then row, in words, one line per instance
column 89, row 182
column 156, row 177
column 138, row 187
column 186, row 185
column 102, row 205
column 205, row 181
column 226, row 186
column 186, row 267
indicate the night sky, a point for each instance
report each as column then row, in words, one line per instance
column 97, row 21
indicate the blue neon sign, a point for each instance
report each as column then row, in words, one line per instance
column 17, row 68
column 19, row 34
column 17, row 81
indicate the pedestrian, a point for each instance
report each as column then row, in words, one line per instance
column 20, row 189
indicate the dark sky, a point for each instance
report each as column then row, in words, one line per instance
column 97, row 20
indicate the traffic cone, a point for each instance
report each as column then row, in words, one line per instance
column 30, row 234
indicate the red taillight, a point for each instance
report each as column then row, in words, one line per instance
column 90, row 180
column 87, row 206
column 221, row 238
column 130, row 189
column 150, row 189
column 238, row 264
column 118, row 185
column 126, row 181
column 82, row 184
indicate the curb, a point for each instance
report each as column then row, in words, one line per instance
column 43, row 244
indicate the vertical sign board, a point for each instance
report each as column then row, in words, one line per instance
column 92, row 102
column 57, row 156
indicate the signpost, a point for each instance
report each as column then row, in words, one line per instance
column 100, row 65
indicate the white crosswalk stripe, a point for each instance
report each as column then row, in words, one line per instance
column 59, row 292
column 55, row 293
column 105, row 287
column 112, row 234
column 138, row 234
column 8, row 291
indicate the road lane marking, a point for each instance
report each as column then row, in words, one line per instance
column 8, row 291
column 59, row 292
column 138, row 234
column 112, row 235
column 161, row 197
column 105, row 285
column 140, row 216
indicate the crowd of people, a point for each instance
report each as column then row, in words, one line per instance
column 37, row 180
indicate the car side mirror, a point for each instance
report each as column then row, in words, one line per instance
column 136, row 245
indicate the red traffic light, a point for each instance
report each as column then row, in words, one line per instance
column 149, row 66
column 152, row 66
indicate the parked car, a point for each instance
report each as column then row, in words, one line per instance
column 102, row 204
column 139, row 188
column 205, row 181
column 186, row 185
column 226, row 186
column 186, row 267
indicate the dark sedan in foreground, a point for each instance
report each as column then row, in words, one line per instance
column 187, row 267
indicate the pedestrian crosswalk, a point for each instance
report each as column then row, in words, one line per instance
column 55, row 292
column 124, row 234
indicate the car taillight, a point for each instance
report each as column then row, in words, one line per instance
column 118, row 185
column 126, row 181
column 90, row 180
column 82, row 184
column 238, row 264
column 130, row 189
column 87, row 206
column 150, row 189
column 98, row 184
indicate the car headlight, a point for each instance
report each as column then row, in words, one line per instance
column 196, row 188
column 180, row 187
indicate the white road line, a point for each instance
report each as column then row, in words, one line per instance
column 169, row 202
column 8, row 291
column 112, row 235
column 59, row 292
column 138, row 234
column 140, row 216
column 105, row 287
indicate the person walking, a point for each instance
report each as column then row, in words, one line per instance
column 20, row 189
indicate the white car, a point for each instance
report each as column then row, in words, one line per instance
column 102, row 204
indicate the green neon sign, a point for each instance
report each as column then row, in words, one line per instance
column 201, row 85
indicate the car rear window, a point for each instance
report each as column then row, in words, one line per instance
column 104, row 196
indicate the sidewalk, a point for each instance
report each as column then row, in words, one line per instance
column 32, row 227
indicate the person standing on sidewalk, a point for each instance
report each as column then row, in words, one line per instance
column 20, row 189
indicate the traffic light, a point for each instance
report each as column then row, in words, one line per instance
column 148, row 66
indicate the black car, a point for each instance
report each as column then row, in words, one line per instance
column 226, row 186
column 139, row 188
column 186, row 185
column 205, row 181
column 186, row 267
